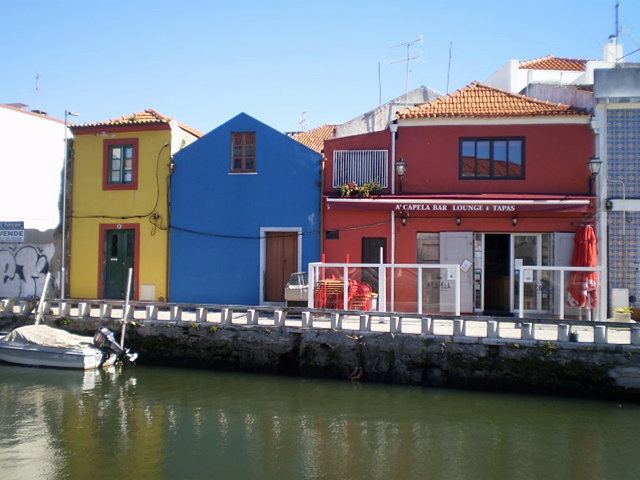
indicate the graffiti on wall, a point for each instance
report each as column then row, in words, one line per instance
column 23, row 269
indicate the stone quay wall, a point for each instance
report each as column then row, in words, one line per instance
column 598, row 359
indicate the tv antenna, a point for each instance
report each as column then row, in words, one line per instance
column 617, row 23
column 408, row 59
column 37, row 90
column 449, row 66
column 303, row 122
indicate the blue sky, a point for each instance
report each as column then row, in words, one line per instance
column 202, row 62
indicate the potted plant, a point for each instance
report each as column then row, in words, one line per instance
column 622, row 314
column 352, row 189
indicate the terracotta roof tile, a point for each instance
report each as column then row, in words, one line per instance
column 479, row 100
column 314, row 139
column 148, row 116
column 555, row 63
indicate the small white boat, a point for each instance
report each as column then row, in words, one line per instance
column 44, row 346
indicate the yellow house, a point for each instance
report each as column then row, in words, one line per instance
column 119, row 215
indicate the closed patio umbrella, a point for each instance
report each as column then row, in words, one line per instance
column 583, row 286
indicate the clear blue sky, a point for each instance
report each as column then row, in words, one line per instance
column 202, row 62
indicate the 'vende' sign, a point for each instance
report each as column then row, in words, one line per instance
column 11, row 232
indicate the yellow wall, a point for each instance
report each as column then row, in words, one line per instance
column 90, row 200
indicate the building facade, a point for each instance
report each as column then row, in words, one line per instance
column 31, row 167
column 119, row 216
column 492, row 180
column 245, row 214
column 617, row 121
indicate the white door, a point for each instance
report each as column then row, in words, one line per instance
column 457, row 248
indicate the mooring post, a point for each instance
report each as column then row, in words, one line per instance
column 563, row 332
column 151, row 312
column 64, row 309
column 252, row 316
column 600, row 334
column 84, row 309
column 105, row 311
column 427, row 326
column 459, row 327
column 7, row 305
column 527, row 331
column 493, row 329
column 393, row 324
column 336, row 321
column 175, row 314
column 280, row 317
column 307, row 320
column 365, row 323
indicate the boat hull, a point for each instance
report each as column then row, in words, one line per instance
column 82, row 358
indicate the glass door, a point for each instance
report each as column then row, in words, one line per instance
column 534, row 250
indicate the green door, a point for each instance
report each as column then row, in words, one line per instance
column 119, row 257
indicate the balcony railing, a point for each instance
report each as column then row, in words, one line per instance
column 360, row 166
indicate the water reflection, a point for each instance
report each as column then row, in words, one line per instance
column 162, row 423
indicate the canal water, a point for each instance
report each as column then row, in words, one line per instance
column 160, row 423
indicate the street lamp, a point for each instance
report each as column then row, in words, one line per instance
column 401, row 169
column 594, row 167
column 63, row 267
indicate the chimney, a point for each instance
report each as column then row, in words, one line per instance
column 613, row 50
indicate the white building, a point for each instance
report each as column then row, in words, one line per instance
column 31, row 177
column 520, row 77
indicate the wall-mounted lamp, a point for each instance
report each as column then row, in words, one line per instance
column 594, row 167
column 458, row 221
column 514, row 221
column 403, row 217
column 401, row 170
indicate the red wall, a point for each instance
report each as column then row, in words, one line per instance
column 367, row 141
column 556, row 158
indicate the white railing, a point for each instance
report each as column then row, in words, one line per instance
column 209, row 318
column 360, row 166
column 559, row 287
column 393, row 281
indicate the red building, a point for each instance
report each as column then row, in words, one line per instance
column 493, row 180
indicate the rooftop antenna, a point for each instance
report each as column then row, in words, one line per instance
column 37, row 91
column 408, row 59
column 617, row 15
column 303, row 122
column 449, row 67
column 379, row 86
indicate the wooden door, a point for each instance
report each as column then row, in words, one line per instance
column 119, row 256
column 281, row 262
column 371, row 254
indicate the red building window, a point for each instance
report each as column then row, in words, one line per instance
column 492, row 158
column 243, row 152
column 120, row 164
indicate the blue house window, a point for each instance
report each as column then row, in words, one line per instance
column 243, row 148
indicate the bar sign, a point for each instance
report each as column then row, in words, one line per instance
column 11, row 232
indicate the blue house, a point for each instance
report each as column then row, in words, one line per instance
column 245, row 214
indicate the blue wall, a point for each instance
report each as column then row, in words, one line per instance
column 216, row 216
